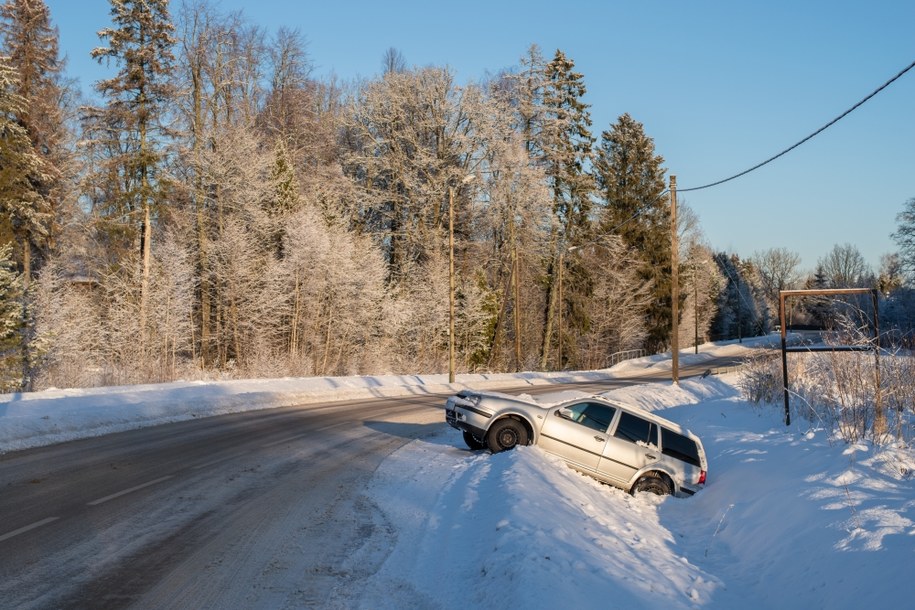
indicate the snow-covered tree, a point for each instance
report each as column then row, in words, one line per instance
column 778, row 270
column 30, row 43
column 131, row 128
column 407, row 138
column 11, row 323
column 844, row 267
column 742, row 311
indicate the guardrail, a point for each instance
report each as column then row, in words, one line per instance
column 628, row 354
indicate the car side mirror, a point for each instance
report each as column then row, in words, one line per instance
column 564, row 414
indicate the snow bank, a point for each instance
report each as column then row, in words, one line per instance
column 789, row 519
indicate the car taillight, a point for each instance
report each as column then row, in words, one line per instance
column 701, row 480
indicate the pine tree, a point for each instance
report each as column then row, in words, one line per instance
column 131, row 126
column 285, row 197
column 566, row 143
column 630, row 182
column 31, row 45
column 11, row 322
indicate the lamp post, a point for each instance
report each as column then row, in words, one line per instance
column 463, row 181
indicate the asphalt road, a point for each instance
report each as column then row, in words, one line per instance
column 259, row 509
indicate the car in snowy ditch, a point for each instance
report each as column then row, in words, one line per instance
column 618, row 444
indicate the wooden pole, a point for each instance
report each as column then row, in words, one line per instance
column 450, row 284
column 674, row 285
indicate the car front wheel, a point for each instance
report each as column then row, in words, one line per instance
column 506, row 434
column 473, row 442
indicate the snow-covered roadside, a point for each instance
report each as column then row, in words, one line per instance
column 789, row 519
column 57, row 415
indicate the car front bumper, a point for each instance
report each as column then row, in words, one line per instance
column 465, row 415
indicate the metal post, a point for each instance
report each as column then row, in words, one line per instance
column 675, row 286
column 781, row 321
column 879, row 413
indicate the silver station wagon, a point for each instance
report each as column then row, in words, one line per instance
column 615, row 443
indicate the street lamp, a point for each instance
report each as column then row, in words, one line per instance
column 464, row 180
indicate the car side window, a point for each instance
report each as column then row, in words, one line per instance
column 635, row 429
column 679, row 447
column 591, row 414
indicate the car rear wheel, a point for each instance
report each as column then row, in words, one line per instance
column 506, row 434
column 652, row 483
column 473, row 442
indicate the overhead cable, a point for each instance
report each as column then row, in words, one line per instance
column 814, row 134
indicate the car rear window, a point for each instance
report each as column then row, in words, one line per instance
column 680, row 447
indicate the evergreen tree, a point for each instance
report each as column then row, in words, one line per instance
column 11, row 322
column 567, row 144
column 566, row 147
column 905, row 237
column 285, row 196
column 741, row 305
column 131, row 126
column 31, row 46
column 630, row 183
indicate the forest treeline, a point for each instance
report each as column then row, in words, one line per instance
column 219, row 211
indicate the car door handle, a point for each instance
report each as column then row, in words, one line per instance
column 651, row 457
column 599, row 439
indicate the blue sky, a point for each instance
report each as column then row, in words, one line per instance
column 719, row 85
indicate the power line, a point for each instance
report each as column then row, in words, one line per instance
column 811, row 136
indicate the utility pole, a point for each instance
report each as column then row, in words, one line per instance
column 674, row 285
column 561, row 264
column 450, row 284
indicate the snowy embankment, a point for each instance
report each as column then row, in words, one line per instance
column 790, row 519
column 53, row 416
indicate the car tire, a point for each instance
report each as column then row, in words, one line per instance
column 506, row 434
column 473, row 442
column 652, row 483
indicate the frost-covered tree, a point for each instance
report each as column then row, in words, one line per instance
column 510, row 238
column 778, row 270
column 701, row 284
column 630, row 180
column 131, row 128
column 407, row 140
column 844, row 267
column 607, row 311
column 892, row 274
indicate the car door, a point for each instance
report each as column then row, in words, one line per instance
column 577, row 432
column 632, row 446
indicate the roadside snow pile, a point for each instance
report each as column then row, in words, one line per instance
column 57, row 415
column 789, row 519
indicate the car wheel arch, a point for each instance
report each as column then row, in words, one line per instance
column 655, row 472
column 528, row 426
